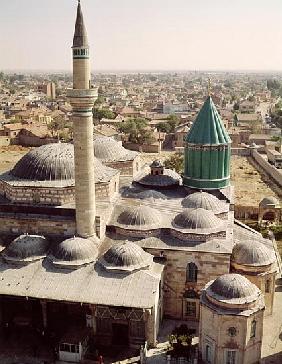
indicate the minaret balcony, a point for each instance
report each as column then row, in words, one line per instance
column 82, row 99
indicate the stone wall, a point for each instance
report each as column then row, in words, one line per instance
column 55, row 196
column 268, row 168
column 126, row 168
column 16, row 224
column 246, row 212
column 210, row 266
column 242, row 152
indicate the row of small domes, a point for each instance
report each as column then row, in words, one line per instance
column 75, row 252
column 189, row 218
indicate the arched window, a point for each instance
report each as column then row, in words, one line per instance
column 267, row 286
column 191, row 272
column 253, row 328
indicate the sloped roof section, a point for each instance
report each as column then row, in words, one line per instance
column 80, row 35
column 208, row 127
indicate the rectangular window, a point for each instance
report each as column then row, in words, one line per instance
column 191, row 309
column 231, row 357
column 267, row 286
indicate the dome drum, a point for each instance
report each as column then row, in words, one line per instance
column 197, row 236
column 136, row 232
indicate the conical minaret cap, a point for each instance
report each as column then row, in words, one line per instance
column 208, row 127
column 80, row 35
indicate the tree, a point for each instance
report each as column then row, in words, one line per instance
column 163, row 127
column 99, row 114
column 57, row 126
column 176, row 162
column 137, row 130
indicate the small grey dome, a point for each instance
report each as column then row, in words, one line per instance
column 54, row 162
column 109, row 150
column 167, row 179
column 126, row 257
column 157, row 164
column 46, row 163
column 26, row 248
column 204, row 200
column 234, row 288
column 75, row 252
column 139, row 216
column 252, row 253
column 197, row 219
column 269, row 202
column 156, row 195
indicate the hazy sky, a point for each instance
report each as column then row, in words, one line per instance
column 144, row 34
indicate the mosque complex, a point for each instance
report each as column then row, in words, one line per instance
column 81, row 254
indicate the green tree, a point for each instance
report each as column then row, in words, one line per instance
column 99, row 114
column 176, row 162
column 138, row 130
column 163, row 127
column 57, row 126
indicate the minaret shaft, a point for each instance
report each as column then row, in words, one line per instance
column 82, row 98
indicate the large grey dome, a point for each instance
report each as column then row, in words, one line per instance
column 234, row 288
column 151, row 194
column 139, row 216
column 252, row 253
column 75, row 251
column 126, row 257
column 26, row 248
column 54, row 162
column 47, row 163
column 204, row 200
column 109, row 150
column 198, row 219
column 269, row 202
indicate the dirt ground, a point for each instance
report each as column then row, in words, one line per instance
column 251, row 186
column 10, row 155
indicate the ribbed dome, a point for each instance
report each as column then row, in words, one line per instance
column 197, row 219
column 75, row 251
column 126, row 257
column 54, row 162
column 204, row 200
column 252, row 253
column 208, row 127
column 269, row 202
column 109, row 150
column 48, row 162
column 139, row 216
column 26, row 248
column 234, row 288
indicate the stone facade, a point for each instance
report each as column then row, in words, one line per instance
column 177, row 288
column 126, row 168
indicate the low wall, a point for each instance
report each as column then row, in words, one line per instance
column 242, row 152
column 146, row 148
column 246, row 212
column 268, row 168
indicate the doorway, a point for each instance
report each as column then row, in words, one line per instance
column 120, row 334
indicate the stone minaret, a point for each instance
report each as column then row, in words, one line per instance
column 82, row 98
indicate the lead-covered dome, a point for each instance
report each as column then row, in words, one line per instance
column 26, row 248
column 48, row 162
column 197, row 219
column 139, row 216
column 53, row 162
column 75, row 252
column 232, row 288
column 270, row 201
column 109, row 150
column 126, row 257
column 205, row 201
column 252, row 253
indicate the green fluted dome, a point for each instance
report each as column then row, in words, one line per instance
column 208, row 127
column 207, row 151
